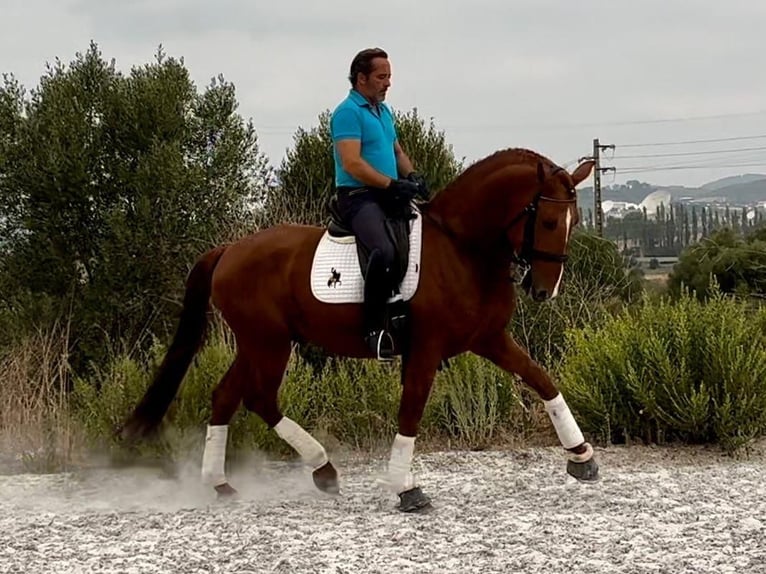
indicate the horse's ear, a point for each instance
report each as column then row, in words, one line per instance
column 582, row 172
column 540, row 172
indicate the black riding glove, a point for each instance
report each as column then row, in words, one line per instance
column 420, row 181
column 404, row 189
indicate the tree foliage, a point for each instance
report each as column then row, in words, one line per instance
column 737, row 264
column 428, row 149
column 670, row 229
column 110, row 186
column 306, row 179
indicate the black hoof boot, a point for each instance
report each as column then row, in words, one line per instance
column 584, row 471
column 414, row 500
column 225, row 490
column 326, row 479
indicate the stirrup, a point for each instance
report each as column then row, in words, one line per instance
column 382, row 344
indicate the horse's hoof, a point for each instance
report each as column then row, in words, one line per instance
column 584, row 471
column 225, row 490
column 413, row 500
column 326, row 479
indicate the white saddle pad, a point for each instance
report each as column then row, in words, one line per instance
column 336, row 276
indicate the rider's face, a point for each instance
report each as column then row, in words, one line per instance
column 375, row 85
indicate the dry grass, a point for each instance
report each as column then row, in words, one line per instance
column 36, row 431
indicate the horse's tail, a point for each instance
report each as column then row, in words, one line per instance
column 188, row 339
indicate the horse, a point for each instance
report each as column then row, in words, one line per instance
column 514, row 209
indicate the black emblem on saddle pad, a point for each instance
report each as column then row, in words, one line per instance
column 334, row 279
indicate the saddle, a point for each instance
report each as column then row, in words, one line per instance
column 398, row 218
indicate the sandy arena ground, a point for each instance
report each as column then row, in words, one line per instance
column 664, row 510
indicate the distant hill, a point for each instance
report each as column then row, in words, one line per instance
column 741, row 193
column 733, row 180
column 737, row 190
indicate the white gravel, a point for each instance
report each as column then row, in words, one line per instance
column 664, row 510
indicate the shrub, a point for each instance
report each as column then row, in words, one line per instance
column 680, row 370
column 347, row 402
column 596, row 285
column 35, row 428
column 736, row 265
column 475, row 403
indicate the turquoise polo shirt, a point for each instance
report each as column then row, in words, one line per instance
column 356, row 118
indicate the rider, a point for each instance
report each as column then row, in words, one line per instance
column 370, row 169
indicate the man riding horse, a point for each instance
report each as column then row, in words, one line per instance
column 372, row 172
column 513, row 207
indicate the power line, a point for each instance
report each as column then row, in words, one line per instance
column 648, row 169
column 686, row 142
column 689, row 153
column 738, row 157
column 691, row 118
column 287, row 129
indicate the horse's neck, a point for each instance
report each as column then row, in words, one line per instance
column 475, row 216
column 485, row 263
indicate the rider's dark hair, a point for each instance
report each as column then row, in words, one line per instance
column 362, row 63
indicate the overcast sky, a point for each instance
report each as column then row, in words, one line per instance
column 550, row 75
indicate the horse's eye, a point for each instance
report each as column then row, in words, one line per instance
column 550, row 224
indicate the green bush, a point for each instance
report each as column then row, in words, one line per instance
column 354, row 401
column 682, row 370
column 103, row 401
column 350, row 402
column 111, row 185
column 474, row 402
column 736, row 264
column 596, row 285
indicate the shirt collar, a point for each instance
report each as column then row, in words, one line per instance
column 358, row 98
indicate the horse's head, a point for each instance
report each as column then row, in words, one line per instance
column 539, row 234
column 514, row 204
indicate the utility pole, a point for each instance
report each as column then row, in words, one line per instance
column 599, row 214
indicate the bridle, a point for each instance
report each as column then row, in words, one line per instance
column 528, row 253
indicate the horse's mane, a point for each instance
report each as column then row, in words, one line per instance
column 508, row 156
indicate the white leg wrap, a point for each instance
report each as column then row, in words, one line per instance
column 566, row 428
column 214, row 457
column 312, row 453
column 399, row 465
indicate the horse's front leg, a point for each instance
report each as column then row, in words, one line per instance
column 506, row 353
column 418, row 374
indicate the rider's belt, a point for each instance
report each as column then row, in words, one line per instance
column 350, row 190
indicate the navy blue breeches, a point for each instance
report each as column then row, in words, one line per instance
column 366, row 218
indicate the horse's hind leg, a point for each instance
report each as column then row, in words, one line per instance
column 226, row 399
column 267, row 366
column 506, row 353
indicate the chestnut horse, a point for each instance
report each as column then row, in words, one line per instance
column 514, row 207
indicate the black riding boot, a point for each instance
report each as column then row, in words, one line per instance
column 376, row 293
